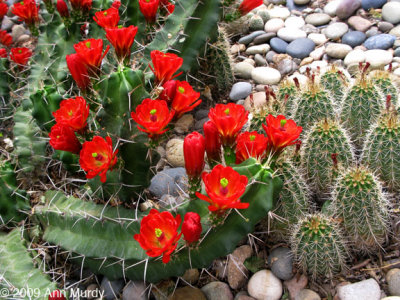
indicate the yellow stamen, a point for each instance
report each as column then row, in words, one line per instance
column 158, row 232
column 94, row 154
column 224, row 182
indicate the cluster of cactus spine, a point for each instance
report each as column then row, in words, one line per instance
column 335, row 81
column 361, row 107
column 318, row 245
column 384, row 81
column 359, row 203
column 286, row 95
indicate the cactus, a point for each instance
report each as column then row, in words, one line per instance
column 18, row 270
column 293, row 203
column 335, row 81
column 287, row 94
column 91, row 231
column 358, row 201
column 13, row 200
column 325, row 138
column 313, row 104
column 384, row 81
column 361, row 107
column 381, row 148
column 318, row 246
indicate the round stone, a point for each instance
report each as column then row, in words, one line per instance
column 264, row 38
column 174, row 150
column 380, row 41
column 307, row 294
column 258, row 49
column 347, row 7
column 354, row 38
column 274, row 25
column 185, row 293
column 247, row 39
column 237, row 272
column 393, row 279
column 368, row 4
column 279, row 12
column 243, row 70
column 359, row 23
column 266, row 75
column 278, row 45
column 217, row 290
column 318, row 38
column 301, row 2
column 264, row 285
column 318, row 19
column 385, row 26
column 336, row 30
column 378, row 58
column 391, row 12
column 395, row 31
column 336, row 50
column 281, row 262
column 354, row 57
column 294, row 22
column 240, row 90
column 300, row 48
column 330, row 7
column 366, row 289
column 397, row 52
column 291, row 34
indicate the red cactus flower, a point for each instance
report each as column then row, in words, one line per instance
column 191, row 227
column 5, row 38
column 62, row 9
column 73, row 112
column 27, row 10
column 63, row 138
column 281, row 132
column 165, row 65
column 3, row 53
column 21, row 55
column 56, row 295
column 159, row 234
column 116, row 4
column 149, row 9
column 91, row 52
column 229, row 120
column 153, row 116
column 186, row 99
column 107, row 18
column 169, row 89
column 170, row 7
column 3, row 9
column 248, row 5
column 81, row 5
column 250, row 144
column 97, row 157
column 79, row 70
column 212, row 142
column 224, row 187
column 193, row 152
column 122, row 39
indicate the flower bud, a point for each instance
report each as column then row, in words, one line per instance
column 212, row 142
column 62, row 9
column 191, row 227
column 193, row 152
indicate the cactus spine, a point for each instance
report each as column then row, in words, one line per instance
column 382, row 148
column 325, row 138
column 361, row 107
column 358, row 201
column 335, row 81
column 318, row 246
column 383, row 80
column 286, row 95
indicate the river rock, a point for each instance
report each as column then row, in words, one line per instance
column 169, row 181
column 331, row 7
column 381, row 41
column 393, row 280
column 279, row 12
column 318, row 38
column 111, row 289
column 385, row 26
column 258, row 49
column 281, row 262
column 395, row 31
column 378, row 58
column 291, row 34
column 354, row 38
column 237, row 272
column 294, row 22
column 354, row 57
column 347, row 7
column 307, row 294
column 217, row 290
column 359, row 23
column 391, row 12
column 264, row 285
column 264, row 38
column 300, row 48
column 134, row 290
column 250, row 37
column 368, row 4
column 336, row 50
column 301, row 2
column 243, row 70
column 174, row 150
column 366, row 289
column 265, row 75
column 187, row 293
column 318, row 19
column 274, row 25
column 240, row 90
column 278, row 45
column 336, row 30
